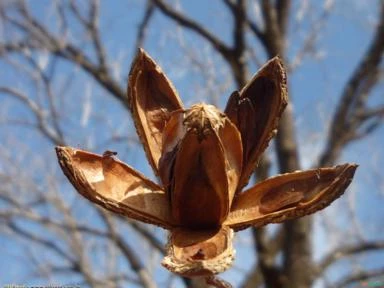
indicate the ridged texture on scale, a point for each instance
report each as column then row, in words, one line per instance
column 256, row 111
column 152, row 97
column 200, row 165
column 204, row 158
column 115, row 186
column 289, row 196
column 199, row 253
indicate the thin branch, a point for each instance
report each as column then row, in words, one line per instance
column 267, row 250
column 346, row 251
column 238, row 9
column 366, row 276
column 143, row 26
column 74, row 55
column 76, row 241
column 282, row 8
column 62, row 20
column 256, row 31
column 296, row 251
column 239, row 45
column 47, row 82
column 352, row 102
column 308, row 45
column 128, row 252
column 231, row 4
column 145, row 233
column 95, row 34
column 188, row 23
column 371, row 113
column 40, row 38
column 76, row 11
column 273, row 37
column 22, row 212
column 38, row 112
column 51, row 245
column 251, row 25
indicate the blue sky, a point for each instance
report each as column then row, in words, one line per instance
column 314, row 89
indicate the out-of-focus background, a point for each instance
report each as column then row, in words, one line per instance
column 63, row 77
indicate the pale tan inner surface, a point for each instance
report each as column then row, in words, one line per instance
column 257, row 113
column 190, row 245
column 232, row 146
column 200, row 193
column 154, row 98
column 173, row 132
column 119, row 183
column 281, row 193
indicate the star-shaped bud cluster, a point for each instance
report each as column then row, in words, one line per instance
column 203, row 159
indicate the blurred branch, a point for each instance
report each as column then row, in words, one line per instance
column 282, row 10
column 188, row 23
column 238, row 59
column 39, row 113
column 359, row 277
column 92, row 25
column 296, row 248
column 134, row 260
column 231, row 4
column 41, row 75
column 346, row 251
column 144, row 232
column 266, row 270
column 74, row 55
column 274, row 36
column 51, row 245
column 309, row 43
column 75, row 256
column 39, row 38
column 143, row 26
column 67, row 230
column 352, row 113
column 267, row 248
column 21, row 212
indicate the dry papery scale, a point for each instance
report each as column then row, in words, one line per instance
column 203, row 159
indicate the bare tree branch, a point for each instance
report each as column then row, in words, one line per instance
column 309, row 46
column 282, row 8
column 346, row 120
column 40, row 116
column 238, row 64
column 92, row 25
column 142, row 29
column 265, row 271
column 274, row 38
column 41, row 39
column 194, row 26
column 359, row 277
column 41, row 241
column 267, row 250
column 129, row 253
column 347, row 251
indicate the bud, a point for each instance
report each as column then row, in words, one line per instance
column 204, row 158
column 200, row 165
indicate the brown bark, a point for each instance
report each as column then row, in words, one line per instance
column 297, row 244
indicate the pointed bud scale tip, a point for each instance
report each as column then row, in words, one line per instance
column 204, row 159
